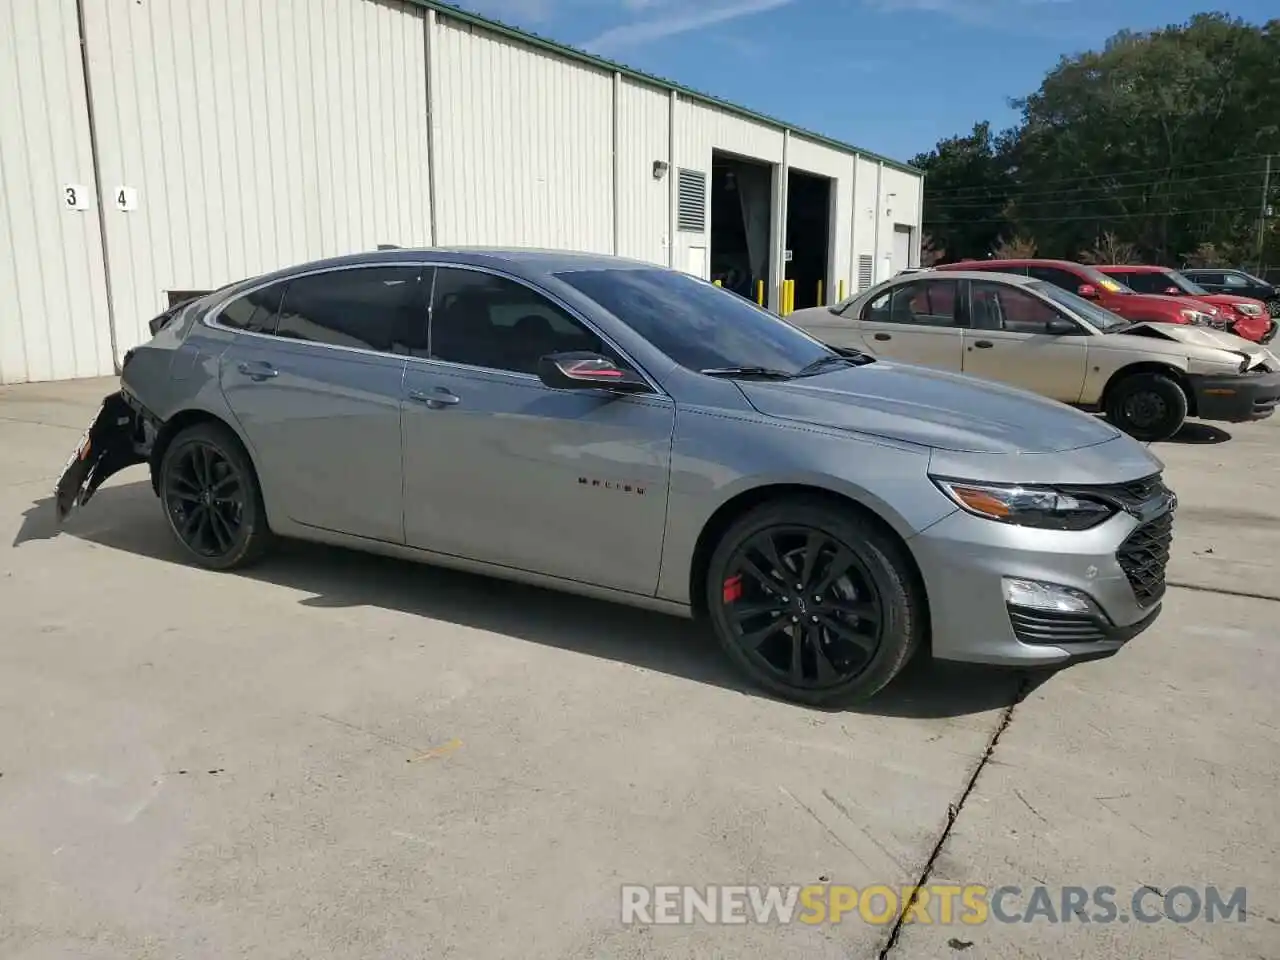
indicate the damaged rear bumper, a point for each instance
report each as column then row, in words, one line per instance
column 119, row 436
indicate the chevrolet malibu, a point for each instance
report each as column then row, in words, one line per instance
column 615, row 429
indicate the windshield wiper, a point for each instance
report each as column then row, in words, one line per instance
column 854, row 360
column 767, row 373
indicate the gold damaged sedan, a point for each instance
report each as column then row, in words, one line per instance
column 1146, row 377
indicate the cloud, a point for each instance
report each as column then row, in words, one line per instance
column 669, row 20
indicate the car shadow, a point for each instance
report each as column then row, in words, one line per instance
column 127, row 517
column 1199, row 433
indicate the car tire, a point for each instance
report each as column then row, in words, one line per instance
column 212, row 499
column 1273, row 308
column 1147, row 406
column 877, row 602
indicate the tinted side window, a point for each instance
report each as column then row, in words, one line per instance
column 1235, row 280
column 925, row 303
column 255, row 312
column 1213, row 279
column 1059, row 278
column 1000, row 307
column 487, row 321
column 373, row 308
column 1142, row 282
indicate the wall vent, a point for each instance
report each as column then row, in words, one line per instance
column 691, row 201
column 865, row 264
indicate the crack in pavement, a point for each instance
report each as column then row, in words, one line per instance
column 1221, row 591
column 953, row 814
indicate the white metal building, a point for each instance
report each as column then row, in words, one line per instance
column 153, row 147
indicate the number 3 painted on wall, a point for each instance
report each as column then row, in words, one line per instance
column 72, row 197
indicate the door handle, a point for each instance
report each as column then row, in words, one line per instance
column 884, row 336
column 983, row 344
column 260, row 370
column 440, row 397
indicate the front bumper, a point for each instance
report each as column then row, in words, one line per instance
column 1236, row 398
column 1119, row 566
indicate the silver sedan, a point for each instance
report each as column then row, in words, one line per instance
column 612, row 428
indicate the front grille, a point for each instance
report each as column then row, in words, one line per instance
column 1144, row 555
column 1045, row 627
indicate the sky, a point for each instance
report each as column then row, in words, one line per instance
column 891, row 76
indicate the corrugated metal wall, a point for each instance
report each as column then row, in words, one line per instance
column 245, row 135
column 644, row 208
column 257, row 133
column 53, row 296
column 524, row 153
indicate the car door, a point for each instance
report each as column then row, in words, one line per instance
column 504, row 469
column 317, row 390
column 915, row 322
column 1008, row 340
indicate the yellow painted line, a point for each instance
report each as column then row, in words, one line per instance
column 439, row 751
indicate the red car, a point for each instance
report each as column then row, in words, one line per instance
column 1106, row 292
column 1248, row 316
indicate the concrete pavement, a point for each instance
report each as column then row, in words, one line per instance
column 344, row 756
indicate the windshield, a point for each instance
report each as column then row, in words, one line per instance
column 697, row 324
column 1186, row 285
column 1105, row 281
column 1104, row 320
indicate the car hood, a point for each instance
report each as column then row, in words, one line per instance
column 1229, row 300
column 1179, row 303
column 933, row 408
column 1196, row 336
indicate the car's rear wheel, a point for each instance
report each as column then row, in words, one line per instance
column 212, row 499
column 1147, row 406
column 814, row 602
column 1273, row 307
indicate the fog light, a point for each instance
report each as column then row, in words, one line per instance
column 1045, row 596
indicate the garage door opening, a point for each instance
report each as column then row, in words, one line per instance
column 741, row 224
column 809, row 237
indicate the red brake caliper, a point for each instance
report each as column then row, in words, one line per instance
column 732, row 591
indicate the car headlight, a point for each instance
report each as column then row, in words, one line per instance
column 1196, row 317
column 1248, row 309
column 1026, row 506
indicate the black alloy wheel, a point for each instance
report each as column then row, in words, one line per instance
column 1273, row 308
column 211, row 497
column 813, row 604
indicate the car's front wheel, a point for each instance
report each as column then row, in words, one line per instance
column 1273, row 308
column 814, row 602
column 1147, row 406
column 212, row 499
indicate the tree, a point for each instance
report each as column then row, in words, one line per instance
column 1157, row 140
column 967, row 185
column 930, row 255
column 1111, row 249
column 1016, row 247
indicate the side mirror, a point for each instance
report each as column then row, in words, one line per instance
column 588, row 371
column 1059, row 326
column 1088, row 291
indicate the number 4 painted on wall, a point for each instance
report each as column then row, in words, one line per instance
column 126, row 198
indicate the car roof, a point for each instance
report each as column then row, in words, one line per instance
column 1018, row 262
column 1012, row 278
column 1133, row 268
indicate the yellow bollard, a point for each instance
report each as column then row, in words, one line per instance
column 841, row 296
column 820, row 301
column 760, row 292
column 716, row 283
column 791, row 297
